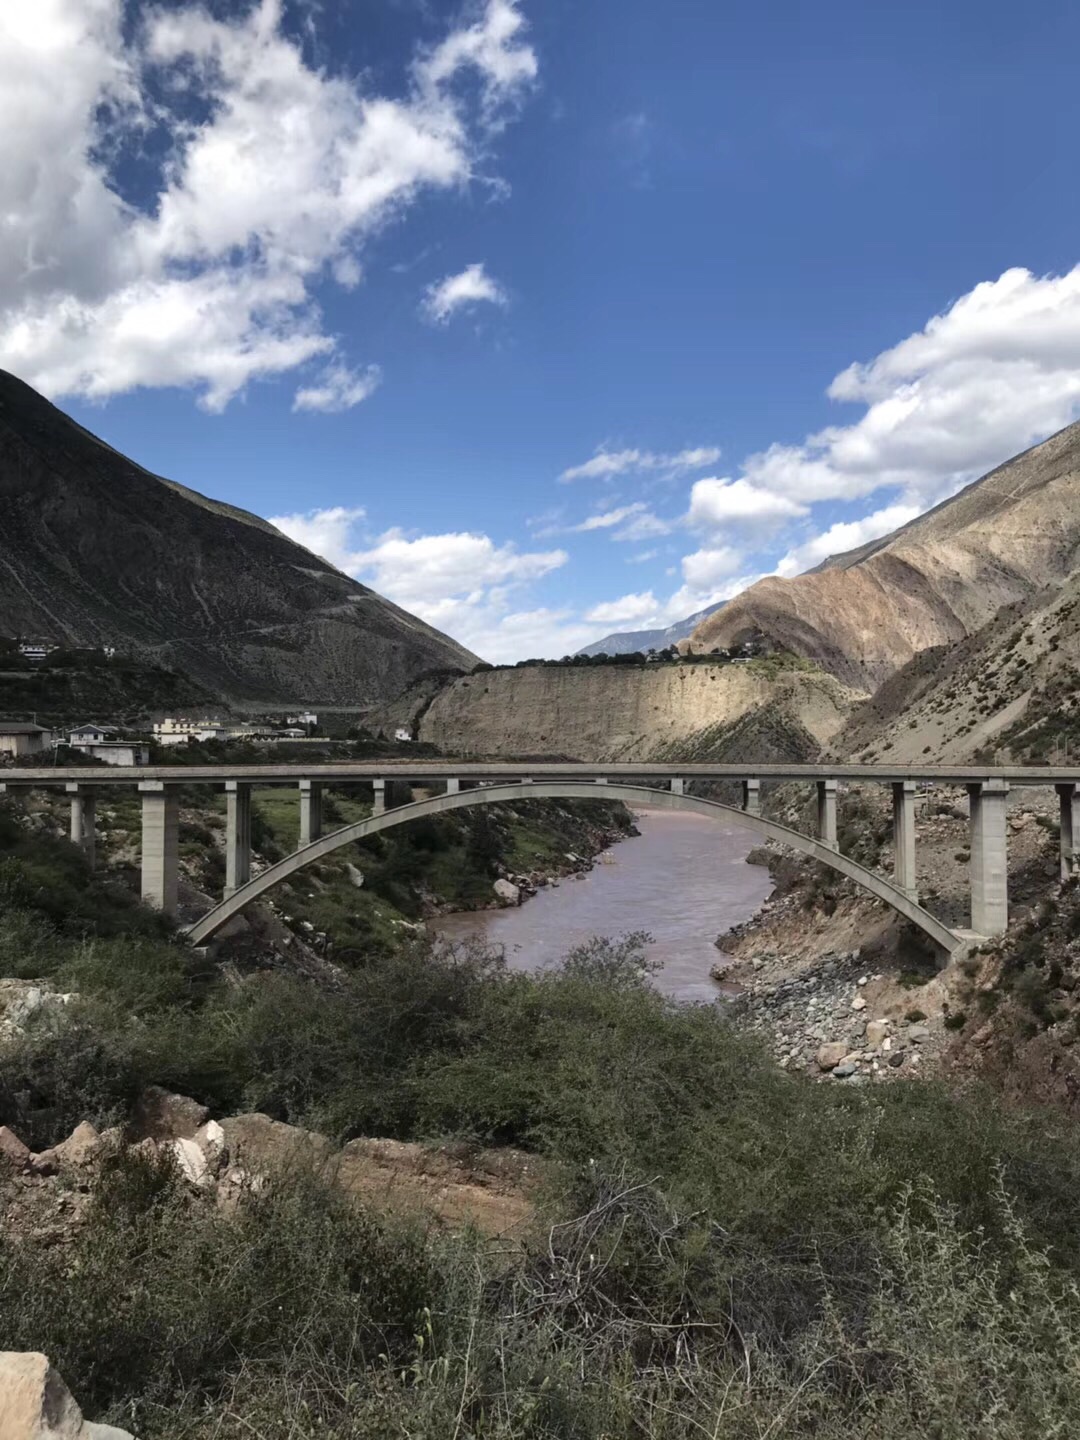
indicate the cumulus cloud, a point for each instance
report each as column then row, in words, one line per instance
column 337, row 389
column 324, row 532
column 627, row 610
column 463, row 583
column 716, row 503
column 994, row 373
column 606, row 464
column 843, row 536
column 473, row 286
column 274, row 175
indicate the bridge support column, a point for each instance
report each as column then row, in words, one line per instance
column 1069, row 801
column 826, row 813
column 903, row 830
column 310, row 812
column 989, row 860
column 83, row 811
column 678, row 785
column 160, row 856
column 453, row 787
column 379, row 806
column 237, row 835
column 751, row 796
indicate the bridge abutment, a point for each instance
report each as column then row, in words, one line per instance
column 989, row 859
column 237, row 835
column 160, row 845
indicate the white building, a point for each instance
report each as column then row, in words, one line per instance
column 118, row 752
column 84, row 735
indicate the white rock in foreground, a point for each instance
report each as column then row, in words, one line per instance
column 35, row 1404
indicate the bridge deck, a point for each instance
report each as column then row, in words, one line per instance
column 435, row 770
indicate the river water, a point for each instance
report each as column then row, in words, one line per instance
column 685, row 880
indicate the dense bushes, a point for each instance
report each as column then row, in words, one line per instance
column 726, row 1250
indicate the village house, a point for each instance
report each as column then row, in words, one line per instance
column 84, row 735
column 18, row 740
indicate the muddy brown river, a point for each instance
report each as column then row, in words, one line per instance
column 685, row 880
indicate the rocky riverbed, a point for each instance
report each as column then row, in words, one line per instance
column 840, row 1020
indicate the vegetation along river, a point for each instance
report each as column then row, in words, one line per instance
column 685, row 880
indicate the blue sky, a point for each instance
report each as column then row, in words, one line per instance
column 548, row 319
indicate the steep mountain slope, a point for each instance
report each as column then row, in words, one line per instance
column 625, row 642
column 863, row 616
column 94, row 550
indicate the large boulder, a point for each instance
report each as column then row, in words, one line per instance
column 261, row 1145
column 507, row 892
column 831, row 1055
column 79, row 1149
column 35, row 1404
column 160, row 1115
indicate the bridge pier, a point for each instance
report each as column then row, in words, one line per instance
column 160, row 848
column 83, row 812
column 677, row 785
column 379, row 803
column 310, row 812
column 903, row 829
column 751, row 796
column 1069, row 801
column 237, row 835
column 453, row 787
column 989, row 860
column 826, row 813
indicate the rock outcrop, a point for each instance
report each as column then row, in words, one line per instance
column 96, row 551
column 864, row 615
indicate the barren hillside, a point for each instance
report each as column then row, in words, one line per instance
column 94, row 550
column 863, row 616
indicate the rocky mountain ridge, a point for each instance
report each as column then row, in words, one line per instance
column 95, row 550
column 1004, row 540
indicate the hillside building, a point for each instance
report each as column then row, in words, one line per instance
column 18, row 740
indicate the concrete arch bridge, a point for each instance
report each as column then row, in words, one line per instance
column 470, row 783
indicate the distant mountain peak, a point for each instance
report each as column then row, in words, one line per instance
column 626, row 642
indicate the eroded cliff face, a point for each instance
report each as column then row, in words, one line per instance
column 622, row 712
column 865, row 615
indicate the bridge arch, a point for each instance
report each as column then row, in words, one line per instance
column 876, row 885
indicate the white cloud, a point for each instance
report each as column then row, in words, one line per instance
column 324, row 532
column 843, row 536
column 716, row 503
column 338, row 388
column 276, row 175
column 473, row 286
column 607, row 463
column 608, row 519
column 627, row 610
column 460, row 582
column 993, row 374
